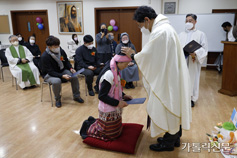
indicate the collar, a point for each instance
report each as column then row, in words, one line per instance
column 159, row 20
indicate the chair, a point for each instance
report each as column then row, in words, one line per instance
column 50, row 91
column 3, row 64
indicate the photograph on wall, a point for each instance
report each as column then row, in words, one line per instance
column 70, row 18
column 170, row 6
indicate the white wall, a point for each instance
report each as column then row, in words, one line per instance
column 185, row 6
column 205, row 6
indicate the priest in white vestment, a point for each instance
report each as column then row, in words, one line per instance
column 165, row 78
column 21, row 64
column 195, row 59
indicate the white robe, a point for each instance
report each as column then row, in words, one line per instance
column 231, row 38
column 17, row 72
column 166, row 79
column 201, row 54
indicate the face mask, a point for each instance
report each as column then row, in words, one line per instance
column 32, row 41
column 90, row 46
column 15, row 43
column 188, row 26
column 75, row 38
column 102, row 30
column 125, row 41
column 19, row 38
column 56, row 50
column 145, row 31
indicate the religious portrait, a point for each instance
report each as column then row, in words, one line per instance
column 70, row 18
column 169, row 6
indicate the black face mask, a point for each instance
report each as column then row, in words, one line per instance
column 102, row 30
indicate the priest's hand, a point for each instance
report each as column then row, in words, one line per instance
column 128, row 51
column 73, row 71
column 193, row 55
column 127, row 97
column 24, row 61
column 66, row 76
column 122, row 104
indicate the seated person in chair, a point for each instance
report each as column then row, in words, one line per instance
column 34, row 49
column 21, row 64
column 130, row 73
column 87, row 57
column 57, row 69
column 109, row 124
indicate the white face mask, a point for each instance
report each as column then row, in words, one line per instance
column 56, row 50
column 125, row 41
column 19, row 38
column 75, row 38
column 145, row 30
column 188, row 26
column 90, row 46
column 16, row 43
column 32, row 41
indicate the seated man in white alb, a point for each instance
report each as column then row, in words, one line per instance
column 21, row 64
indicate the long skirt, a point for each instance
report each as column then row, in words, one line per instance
column 107, row 127
column 130, row 73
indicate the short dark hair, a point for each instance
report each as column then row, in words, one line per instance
column 144, row 11
column 88, row 39
column 73, row 35
column 225, row 24
column 194, row 16
column 18, row 34
column 52, row 41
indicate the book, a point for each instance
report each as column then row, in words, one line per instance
column 191, row 47
column 78, row 72
column 136, row 101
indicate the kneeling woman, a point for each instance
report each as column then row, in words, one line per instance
column 109, row 124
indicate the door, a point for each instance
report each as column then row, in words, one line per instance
column 124, row 20
column 24, row 22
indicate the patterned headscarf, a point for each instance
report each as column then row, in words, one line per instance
column 117, row 58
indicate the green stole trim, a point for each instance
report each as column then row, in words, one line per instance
column 27, row 73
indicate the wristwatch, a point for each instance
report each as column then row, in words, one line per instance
column 132, row 56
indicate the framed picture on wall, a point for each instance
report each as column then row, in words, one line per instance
column 70, row 17
column 170, row 6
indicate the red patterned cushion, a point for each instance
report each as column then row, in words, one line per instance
column 125, row 143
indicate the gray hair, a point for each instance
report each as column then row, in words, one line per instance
column 10, row 37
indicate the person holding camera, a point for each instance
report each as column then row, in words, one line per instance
column 103, row 44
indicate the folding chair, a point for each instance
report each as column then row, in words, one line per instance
column 50, row 91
